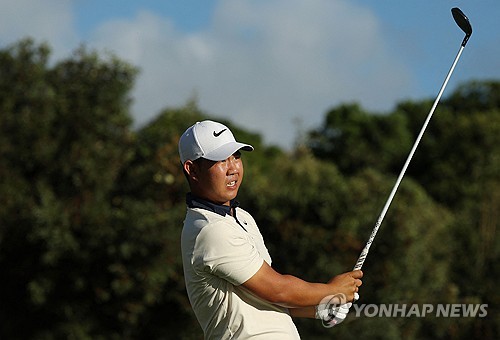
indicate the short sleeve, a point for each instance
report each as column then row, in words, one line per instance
column 227, row 252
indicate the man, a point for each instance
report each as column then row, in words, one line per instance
column 234, row 291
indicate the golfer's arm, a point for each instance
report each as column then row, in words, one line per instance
column 303, row 312
column 287, row 290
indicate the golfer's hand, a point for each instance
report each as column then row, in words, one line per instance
column 346, row 285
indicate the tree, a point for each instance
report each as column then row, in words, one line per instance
column 72, row 263
column 457, row 163
column 355, row 140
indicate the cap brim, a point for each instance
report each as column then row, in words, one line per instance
column 227, row 150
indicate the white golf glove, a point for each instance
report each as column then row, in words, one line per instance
column 332, row 314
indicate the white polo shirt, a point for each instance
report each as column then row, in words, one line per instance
column 219, row 253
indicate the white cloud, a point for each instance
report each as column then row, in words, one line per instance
column 261, row 63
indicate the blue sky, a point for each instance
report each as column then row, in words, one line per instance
column 268, row 64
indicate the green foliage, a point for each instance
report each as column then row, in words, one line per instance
column 354, row 139
column 296, row 219
column 457, row 164
column 91, row 210
column 79, row 259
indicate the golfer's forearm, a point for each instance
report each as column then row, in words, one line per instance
column 303, row 312
column 293, row 292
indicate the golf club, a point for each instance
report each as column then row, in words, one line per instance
column 463, row 22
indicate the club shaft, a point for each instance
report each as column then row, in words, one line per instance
column 364, row 252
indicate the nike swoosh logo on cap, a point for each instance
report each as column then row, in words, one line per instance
column 217, row 134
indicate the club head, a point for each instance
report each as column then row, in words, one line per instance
column 462, row 22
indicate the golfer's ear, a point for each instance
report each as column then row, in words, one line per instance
column 191, row 169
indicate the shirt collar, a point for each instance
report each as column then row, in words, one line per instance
column 223, row 210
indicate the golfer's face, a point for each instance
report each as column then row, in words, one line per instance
column 219, row 181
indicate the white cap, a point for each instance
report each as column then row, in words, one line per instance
column 210, row 140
